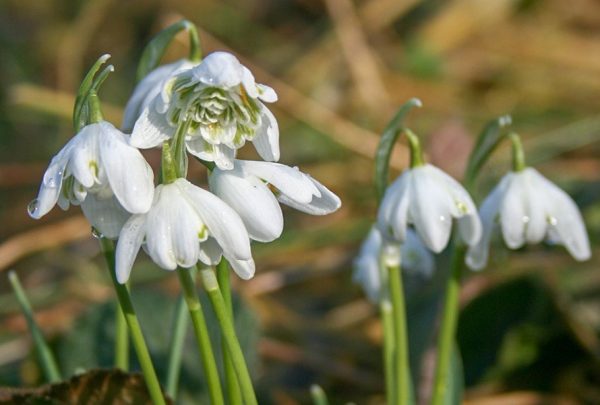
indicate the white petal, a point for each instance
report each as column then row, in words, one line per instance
column 535, row 205
column 393, row 212
column 266, row 140
column 252, row 200
column 566, row 220
column 513, row 216
column 429, row 209
column 128, row 173
column 288, row 180
column 469, row 224
column 85, row 163
column 477, row 255
column 366, row 265
column 223, row 157
column 105, row 214
column 243, row 268
column 219, row 69
column 324, row 204
column 159, row 243
column 210, row 252
column 249, row 83
column 151, row 129
column 223, row 223
column 416, row 258
column 266, row 93
column 186, row 227
column 128, row 246
column 147, row 89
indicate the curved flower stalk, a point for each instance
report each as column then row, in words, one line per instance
column 185, row 224
column 221, row 105
column 150, row 87
column 429, row 199
column 254, row 190
column 100, row 171
column 529, row 208
column 414, row 257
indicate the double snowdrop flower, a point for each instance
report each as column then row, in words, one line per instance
column 219, row 105
column 529, row 208
column 185, row 224
column 254, row 190
column 429, row 199
column 412, row 255
column 100, row 171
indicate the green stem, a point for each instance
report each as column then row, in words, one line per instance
column 46, row 358
column 121, row 341
column 416, row 153
column 387, row 321
column 176, row 347
column 179, row 149
column 233, row 388
column 202, row 337
column 518, row 155
column 448, row 327
column 209, row 281
column 137, row 338
column 401, row 337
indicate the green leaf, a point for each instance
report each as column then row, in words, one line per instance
column 94, row 387
column 84, row 88
column 155, row 50
column 457, row 383
column 487, row 141
column 386, row 145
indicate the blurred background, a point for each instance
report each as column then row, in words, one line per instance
column 529, row 329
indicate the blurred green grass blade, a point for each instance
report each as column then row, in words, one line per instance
column 156, row 48
column 386, row 145
column 318, row 395
column 46, row 358
column 487, row 141
column 84, row 88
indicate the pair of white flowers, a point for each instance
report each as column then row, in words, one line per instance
column 219, row 105
column 525, row 205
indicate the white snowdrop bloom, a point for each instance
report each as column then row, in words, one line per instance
column 148, row 88
column 529, row 208
column 100, row 171
column 186, row 224
column 254, row 190
column 413, row 257
column 429, row 199
column 223, row 106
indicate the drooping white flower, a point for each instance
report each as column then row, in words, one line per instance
column 414, row 258
column 186, row 224
column 254, row 190
column 429, row 199
column 529, row 208
column 224, row 107
column 148, row 88
column 98, row 169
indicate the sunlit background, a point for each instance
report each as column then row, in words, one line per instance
column 529, row 330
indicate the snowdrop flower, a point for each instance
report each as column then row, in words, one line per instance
column 253, row 189
column 100, row 171
column 150, row 87
column 222, row 106
column 186, row 224
column 412, row 255
column 429, row 199
column 529, row 208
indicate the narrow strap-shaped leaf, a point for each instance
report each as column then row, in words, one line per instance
column 457, row 383
column 84, row 88
column 386, row 145
column 488, row 139
column 156, row 48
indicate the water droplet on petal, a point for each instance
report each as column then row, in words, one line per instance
column 53, row 181
column 526, row 219
column 442, row 218
column 32, row 207
column 96, row 233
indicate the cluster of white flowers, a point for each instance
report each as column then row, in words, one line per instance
column 219, row 106
column 526, row 206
